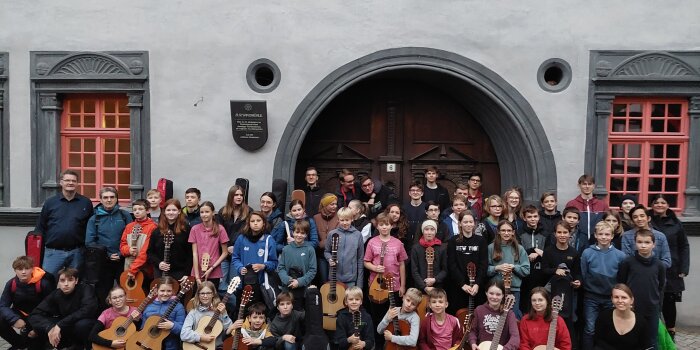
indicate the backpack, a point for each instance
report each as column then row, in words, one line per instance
column 13, row 286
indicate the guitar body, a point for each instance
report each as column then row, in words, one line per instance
column 461, row 314
column 404, row 329
column 149, row 337
column 332, row 303
column 486, row 345
column 300, row 195
column 422, row 308
column 133, row 288
column 228, row 344
column 202, row 329
column 116, row 332
column 378, row 293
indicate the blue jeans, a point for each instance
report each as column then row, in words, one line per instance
column 225, row 277
column 290, row 346
column 516, row 306
column 591, row 307
column 322, row 265
column 55, row 260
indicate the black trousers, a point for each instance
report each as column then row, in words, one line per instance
column 19, row 341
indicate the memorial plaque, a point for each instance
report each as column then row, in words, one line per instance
column 249, row 124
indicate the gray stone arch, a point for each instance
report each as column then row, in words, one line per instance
column 521, row 144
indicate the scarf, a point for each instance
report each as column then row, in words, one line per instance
column 426, row 244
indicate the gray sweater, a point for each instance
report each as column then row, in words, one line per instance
column 403, row 340
column 351, row 253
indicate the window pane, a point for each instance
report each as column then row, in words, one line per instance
column 615, row 199
column 634, row 150
column 635, row 125
column 617, row 166
column 89, row 160
column 673, row 125
column 672, row 167
column 672, row 200
column 124, row 177
column 619, row 125
column 122, row 105
column 618, row 150
column 109, row 177
column 655, row 184
column 124, row 145
column 89, row 121
column 74, row 160
column 123, row 161
column 123, row 192
column 89, row 106
column 89, row 145
column 110, row 121
column 74, row 106
column 110, row 106
column 616, row 184
column 74, row 145
column 658, row 110
column 635, row 110
column 632, row 184
column 633, row 167
column 671, row 185
column 89, row 191
column 89, row 177
column 656, row 167
column 109, row 160
column 619, row 110
column 656, row 151
column 110, row 145
column 124, row 121
column 674, row 110
column 657, row 125
column 673, row 151
column 74, row 121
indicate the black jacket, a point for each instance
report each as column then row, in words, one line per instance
column 64, row 310
column 383, row 197
column 344, row 328
column 313, row 199
column 461, row 253
column 419, row 266
column 679, row 247
column 180, row 253
column 24, row 299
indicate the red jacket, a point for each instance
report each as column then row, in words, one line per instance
column 147, row 227
column 535, row 332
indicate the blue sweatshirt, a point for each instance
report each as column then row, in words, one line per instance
column 246, row 252
column 599, row 269
column 158, row 308
column 660, row 251
column 105, row 228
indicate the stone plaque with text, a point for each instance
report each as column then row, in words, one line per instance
column 249, row 124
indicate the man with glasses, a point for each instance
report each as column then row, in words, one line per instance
column 348, row 189
column 62, row 223
column 313, row 191
column 375, row 195
column 416, row 209
column 475, row 198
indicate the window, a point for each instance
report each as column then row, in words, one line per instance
column 95, row 142
column 648, row 149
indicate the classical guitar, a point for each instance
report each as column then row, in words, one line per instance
column 123, row 327
column 557, row 304
column 396, row 326
column 168, row 240
column 378, row 292
column 422, row 307
column 507, row 281
column 464, row 344
column 133, row 285
column 494, row 344
column 204, row 266
column 235, row 342
column 466, row 315
column 211, row 324
column 356, row 323
column 332, row 292
column 150, row 337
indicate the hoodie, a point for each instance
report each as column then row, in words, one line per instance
column 134, row 264
column 105, row 228
column 25, row 298
column 591, row 211
column 300, row 257
column 351, row 254
column 189, row 334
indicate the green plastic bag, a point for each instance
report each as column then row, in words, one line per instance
column 665, row 341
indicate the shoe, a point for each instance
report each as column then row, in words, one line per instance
column 673, row 335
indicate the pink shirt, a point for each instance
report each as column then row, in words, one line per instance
column 108, row 316
column 395, row 254
column 207, row 244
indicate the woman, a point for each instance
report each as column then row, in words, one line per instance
column 172, row 221
column 619, row 328
column 612, row 217
column 486, row 317
column 465, row 248
column 493, row 210
column 665, row 220
column 283, row 232
column 627, row 202
column 534, row 327
column 326, row 221
column 268, row 206
column 506, row 256
column 513, row 209
column 232, row 217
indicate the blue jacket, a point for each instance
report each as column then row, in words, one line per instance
column 599, row 269
column 246, row 252
column 661, row 250
column 158, row 308
column 275, row 218
column 63, row 222
column 279, row 232
column 105, row 228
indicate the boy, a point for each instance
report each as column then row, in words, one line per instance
column 590, row 208
column 350, row 250
column 253, row 329
column 191, row 209
column 153, row 198
column 297, row 264
column 475, row 198
column 21, row 295
column 415, row 209
column 286, row 326
column 406, row 312
column 439, row 330
column 641, row 220
column 645, row 274
column 66, row 316
column 348, row 334
column 599, row 266
column 459, row 204
column 136, row 256
column 432, row 212
column 433, row 191
column 534, row 242
column 577, row 239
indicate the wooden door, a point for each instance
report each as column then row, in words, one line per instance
column 393, row 130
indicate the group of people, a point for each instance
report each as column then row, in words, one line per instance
column 461, row 256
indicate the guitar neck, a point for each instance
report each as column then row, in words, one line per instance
column 171, row 307
column 552, row 335
column 241, row 315
column 395, row 320
column 217, row 313
column 430, row 270
column 499, row 330
column 166, row 258
column 333, row 277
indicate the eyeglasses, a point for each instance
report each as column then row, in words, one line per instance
column 414, row 191
column 496, row 206
column 205, row 293
column 505, row 230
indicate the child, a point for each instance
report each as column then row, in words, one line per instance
column 433, row 191
column 493, row 208
column 627, row 202
column 487, row 317
column 534, row 243
column 208, row 238
column 459, row 204
column 347, row 334
column 117, row 299
column 507, row 256
column 419, row 264
column 173, row 324
column 642, row 221
column 360, row 221
column 467, row 247
column 350, row 250
column 326, row 221
column 179, row 264
column 578, row 239
column 406, row 312
column 297, row 264
column 646, row 276
column 399, row 225
column 549, row 215
column 20, row 296
column 561, row 265
column 282, row 233
column 439, row 330
column 415, row 208
column 513, row 209
column 253, row 328
column 599, row 266
column 67, row 315
column 205, row 303
column 250, row 258
column 590, row 208
column 154, row 200
column 140, row 230
column 286, row 327
column 432, row 212
column 612, row 217
column 534, row 327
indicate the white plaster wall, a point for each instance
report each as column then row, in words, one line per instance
column 202, row 48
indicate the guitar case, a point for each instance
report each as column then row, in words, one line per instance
column 245, row 185
column 279, row 188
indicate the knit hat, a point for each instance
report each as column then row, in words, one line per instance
column 631, row 197
column 427, row 223
column 328, row 198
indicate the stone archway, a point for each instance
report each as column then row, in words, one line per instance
column 523, row 150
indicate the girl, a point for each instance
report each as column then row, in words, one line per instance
column 268, row 206
column 399, row 224
column 250, row 259
column 493, row 207
column 459, row 204
column 174, row 322
column 153, row 199
column 205, row 304
column 117, row 300
column 627, row 202
column 612, row 217
column 513, row 209
column 232, row 217
column 619, row 328
column 486, row 317
column 180, row 261
column 549, row 215
column 326, row 221
column 507, row 256
column 360, row 221
column 283, row 232
column 461, row 250
column 534, row 327
column 419, row 265
column 665, row 220
column 208, row 238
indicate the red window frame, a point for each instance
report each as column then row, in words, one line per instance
column 95, row 142
column 648, row 149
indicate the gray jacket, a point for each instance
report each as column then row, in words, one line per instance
column 351, row 253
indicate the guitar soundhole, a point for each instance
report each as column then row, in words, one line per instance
column 121, row 331
column 130, row 283
column 207, row 329
column 332, row 298
column 154, row 331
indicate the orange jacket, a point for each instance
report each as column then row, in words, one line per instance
column 147, row 227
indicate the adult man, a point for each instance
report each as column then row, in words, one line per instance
column 433, row 191
column 416, row 209
column 591, row 208
column 348, row 188
column 376, row 196
column 62, row 223
column 313, row 191
column 641, row 221
column 474, row 196
column 104, row 231
column 191, row 209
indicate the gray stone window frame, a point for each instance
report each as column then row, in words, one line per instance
column 4, row 131
column 56, row 74
column 642, row 74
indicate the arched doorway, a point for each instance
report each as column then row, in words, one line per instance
column 518, row 139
